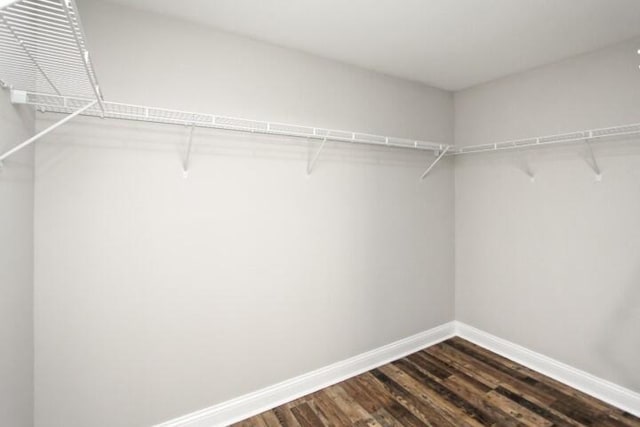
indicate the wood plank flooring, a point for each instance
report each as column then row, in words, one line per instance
column 454, row 383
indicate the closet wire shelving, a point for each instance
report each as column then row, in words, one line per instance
column 563, row 138
column 45, row 61
column 116, row 110
column 43, row 48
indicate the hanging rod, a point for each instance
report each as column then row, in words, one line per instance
column 558, row 139
column 116, row 110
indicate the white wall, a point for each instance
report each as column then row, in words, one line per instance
column 158, row 295
column 553, row 265
column 169, row 63
column 16, row 268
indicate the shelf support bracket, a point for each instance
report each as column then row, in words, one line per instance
column 435, row 162
column 312, row 162
column 593, row 163
column 187, row 158
column 42, row 133
column 526, row 167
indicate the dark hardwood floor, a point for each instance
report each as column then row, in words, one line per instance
column 454, row 383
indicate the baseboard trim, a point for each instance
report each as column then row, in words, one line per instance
column 254, row 403
column 609, row 392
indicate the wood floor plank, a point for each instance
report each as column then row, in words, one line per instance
column 270, row 419
column 454, row 383
column 441, row 389
column 548, row 413
column 386, row 419
column 542, row 382
column 615, row 419
column 285, row 417
column 463, row 366
column 525, row 377
column 455, row 415
column 356, row 413
column 331, row 411
column 453, row 370
column 434, row 369
column 421, row 409
column 370, row 403
column 321, row 413
column 582, row 413
column 488, row 358
column 476, row 397
column 305, row 416
column 358, row 394
column 519, row 412
column 504, row 376
column 393, row 406
column 256, row 421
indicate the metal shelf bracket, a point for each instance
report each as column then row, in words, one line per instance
column 526, row 166
column 312, row 160
column 42, row 133
column 187, row 158
column 435, row 162
column 592, row 162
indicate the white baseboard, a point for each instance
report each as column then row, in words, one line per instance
column 609, row 392
column 254, row 403
column 262, row 400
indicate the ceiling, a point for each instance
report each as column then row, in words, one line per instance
column 451, row 44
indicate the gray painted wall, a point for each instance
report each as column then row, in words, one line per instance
column 554, row 265
column 16, row 268
column 158, row 295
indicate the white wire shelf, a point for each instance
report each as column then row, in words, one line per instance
column 558, row 139
column 43, row 49
column 44, row 59
column 115, row 110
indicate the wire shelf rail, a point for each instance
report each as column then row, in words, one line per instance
column 558, row 139
column 116, row 110
column 45, row 61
